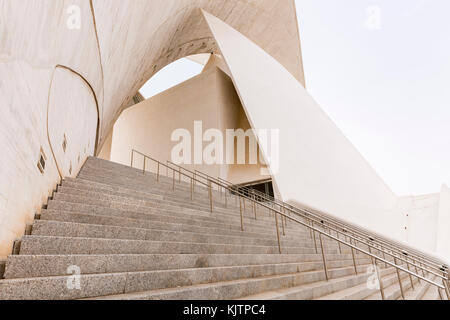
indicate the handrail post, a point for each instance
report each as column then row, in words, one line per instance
column 354, row 261
column 192, row 189
column 242, row 217
column 446, row 288
column 210, row 196
column 195, row 179
column 173, row 179
column 339, row 244
column 379, row 280
column 132, row 156
column 314, row 236
column 157, row 174
column 415, row 267
column 440, row 293
column 410, row 276
column 254, row 204
column 323, row 257
column 399, row 279
column 226, row 198
column 278, row 231
column 143, row 168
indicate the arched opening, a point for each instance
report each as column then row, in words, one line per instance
column 192, row 116
column 72, row 121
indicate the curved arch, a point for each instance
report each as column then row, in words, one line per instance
column 49, row 102
column 174, row 29
column 96, row 102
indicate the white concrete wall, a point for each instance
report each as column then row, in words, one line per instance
column 40, row 101
column 120, row 44
column 73, row 114
column 319, row 166
column 420, row 220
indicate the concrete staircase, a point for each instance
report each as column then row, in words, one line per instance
column 131, row 237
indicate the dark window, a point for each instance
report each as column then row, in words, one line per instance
column 41, row 161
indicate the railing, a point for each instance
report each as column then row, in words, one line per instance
column 369, row 236
column 377, row 249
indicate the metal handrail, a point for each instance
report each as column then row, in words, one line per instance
column 437, row 267
column 437, row 264
column 369, row 237
column 271, row 208
column 400, row 252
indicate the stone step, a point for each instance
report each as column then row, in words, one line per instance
column 157, row 201
column 159, row 227
column 141, row 181
column 74, row 230
column 245, row 288
column 98, row 219
column 146, row 182
column 432, row 293
column 94, row 165
column 365, row 289
column 419, row 291
column 392, row 288
column 155, row 192
column 162, row 222
column 324, row 290
column 38, row 245
column 70, row 201
column 165, row 216
column 130, row 282
column 29, row 266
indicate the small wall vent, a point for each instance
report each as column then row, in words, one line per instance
column 64, row 144
column 41, row 161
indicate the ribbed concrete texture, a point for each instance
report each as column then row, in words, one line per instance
column 117, row 233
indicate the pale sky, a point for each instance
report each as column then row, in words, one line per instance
column 381, row 70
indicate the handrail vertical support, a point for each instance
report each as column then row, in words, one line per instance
column 379, row 280
column 447, row 290
column 157, row 174
column 315, row 241
column 278, row 231
column 226, row 198
column 242, row 217
column 143, row 169
column 323, row 257
column 399, row 280
column 173, row 180
column 354, row 261
column 210, row 196
column 440, row 293
column 339, row 244
column 410, row 276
